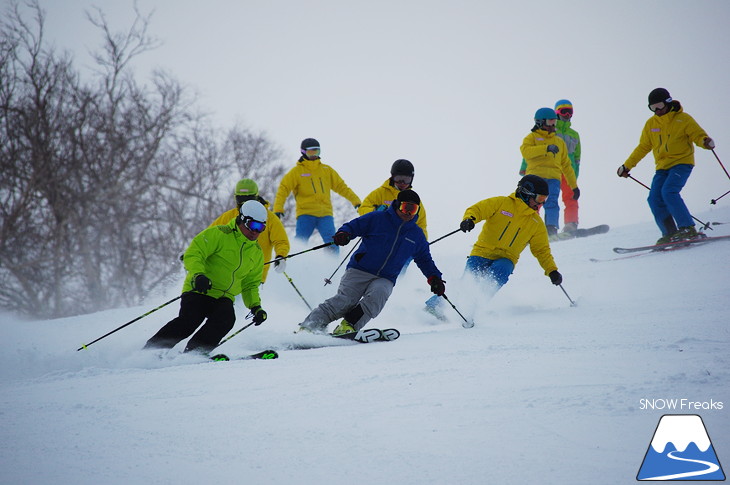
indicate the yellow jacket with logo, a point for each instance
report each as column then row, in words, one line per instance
column 311, row 182
column 670, row 138
column 510, row 226
column 233, row 263
column 544, row 164
column 273, row 237
column 384, row 196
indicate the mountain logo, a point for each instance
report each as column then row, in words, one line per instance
column 680, row 450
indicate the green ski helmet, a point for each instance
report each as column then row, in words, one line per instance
column 246, row 189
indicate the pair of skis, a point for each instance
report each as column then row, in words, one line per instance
column 364, row 336
column 659, row 248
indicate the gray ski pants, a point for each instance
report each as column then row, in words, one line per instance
column 356, row 286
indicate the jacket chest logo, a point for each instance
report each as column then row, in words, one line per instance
column 540, row 139
column 508, row 214
column 656, row 130
column 306, row 175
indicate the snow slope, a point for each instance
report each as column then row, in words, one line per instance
column 537, row 392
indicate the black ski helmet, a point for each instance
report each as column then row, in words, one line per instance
column 309, row 143
column 659, row 95
column 402, row 167
column 530, row 186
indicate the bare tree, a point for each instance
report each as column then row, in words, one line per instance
column 104, row 183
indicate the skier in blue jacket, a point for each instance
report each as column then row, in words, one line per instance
column 389, row 239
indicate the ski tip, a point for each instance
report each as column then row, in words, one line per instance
column 219, row 358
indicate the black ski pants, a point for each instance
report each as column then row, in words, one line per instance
column 194, row 308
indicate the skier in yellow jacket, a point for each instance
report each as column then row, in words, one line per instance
column 670, row 134
column 274, row 236
column 546, row 156
column 221, row 262
column 401, row 178
column 511, row 224
column 312, row 182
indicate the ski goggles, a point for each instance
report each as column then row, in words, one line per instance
column 240, row 199
column 311, row 152
column 253, row 225
column 409, row 208
column 656, row 106
column 539, row 198
column 402, row 180
column 550, row 122
column 565, row 112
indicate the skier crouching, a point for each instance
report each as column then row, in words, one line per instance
column 389, row 239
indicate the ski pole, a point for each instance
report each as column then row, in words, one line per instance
column 714, row 201
column 572, row 303
column 233, row 334
column 705, row 225
column 718, row 161
column 305, row 251
column 130, row 322
column 444, row 236
column 297, row 290
column 467, row 323
column 327, row 281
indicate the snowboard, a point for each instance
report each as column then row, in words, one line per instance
column 583, row 232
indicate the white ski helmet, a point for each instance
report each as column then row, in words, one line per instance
column 252, row 209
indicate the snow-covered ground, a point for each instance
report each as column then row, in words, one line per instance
column 537, row 392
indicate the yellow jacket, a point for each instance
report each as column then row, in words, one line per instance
column 511, row 225
column 311, row 182
column 544, row 164
column 274, row 236
column 384, row 196
column 670, row 137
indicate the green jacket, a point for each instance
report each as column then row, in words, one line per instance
column 233, row 263
column 572, row 142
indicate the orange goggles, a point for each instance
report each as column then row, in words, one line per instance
column 409, row 208
column 540, row 199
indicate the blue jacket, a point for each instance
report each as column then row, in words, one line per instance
column 387, row 243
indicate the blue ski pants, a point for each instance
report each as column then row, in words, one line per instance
column 664, row 199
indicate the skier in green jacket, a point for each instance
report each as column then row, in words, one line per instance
column 221, row 262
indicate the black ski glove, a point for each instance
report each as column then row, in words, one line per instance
column 201, row 283
column 555, row 277
column 553, row 149
column 576, row 193
column 259, row 315
column 438, row 286
column 342, row 238
column 467, row 224
column 622, row 171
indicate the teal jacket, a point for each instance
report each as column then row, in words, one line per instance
column 233, row 263
column 572, row 141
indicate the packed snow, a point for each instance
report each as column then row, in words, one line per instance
column 537, row 392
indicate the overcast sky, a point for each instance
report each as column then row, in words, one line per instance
column 451, row 86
